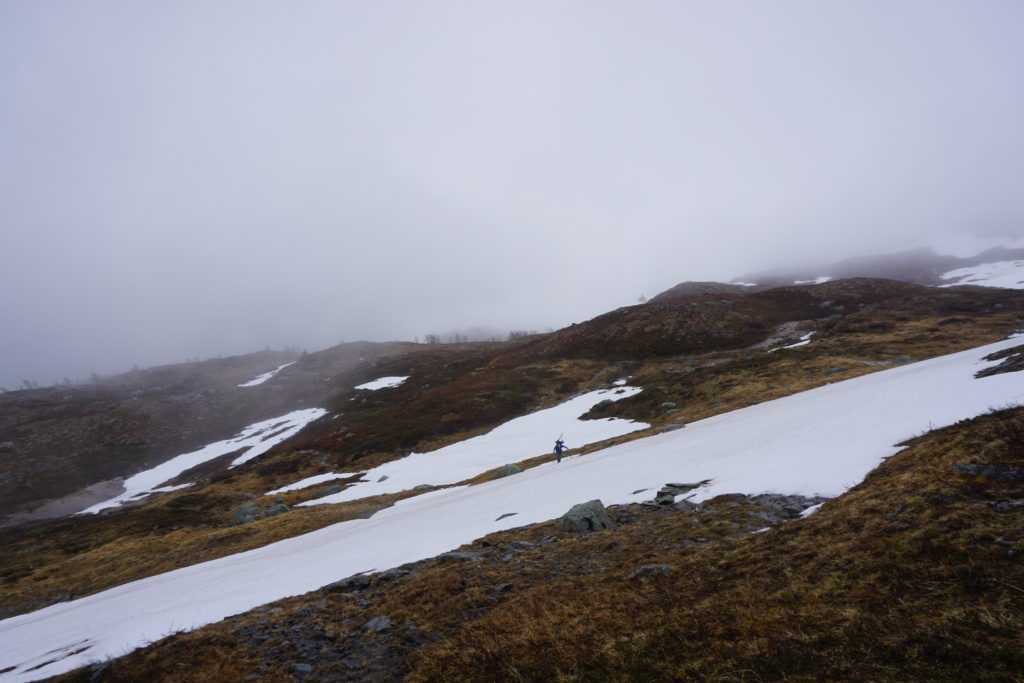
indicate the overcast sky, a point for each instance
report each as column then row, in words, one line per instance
column 182, row 179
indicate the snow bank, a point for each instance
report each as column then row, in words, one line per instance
column 265, row 376
column 819, row 442
column 254, row 440
column 518, row 439
column 383, row 383
column 1007, row 274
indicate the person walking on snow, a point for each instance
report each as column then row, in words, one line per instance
column 559, row 447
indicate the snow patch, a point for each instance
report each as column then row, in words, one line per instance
column 254, row 440
column 518, row 439
column 265, row 376
column 1007, row 274
column 806, row 339
column 383, row 383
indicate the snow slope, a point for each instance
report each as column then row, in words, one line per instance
column 383, row 383
column 265, row 376
column 818, row 442
column 518, row 439
column 254, row 440
column 1007, row 274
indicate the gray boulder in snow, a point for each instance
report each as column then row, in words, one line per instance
column 505, row 471
column 589, row 516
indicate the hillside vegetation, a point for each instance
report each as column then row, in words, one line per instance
column 567, row 607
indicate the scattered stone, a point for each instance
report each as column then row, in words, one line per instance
column 276, row 510
column 279, row 500
column 1002, row 473
column 670, row 428
column 392, row 574
column 329, row 491
column 302, row 668
column 638, row 491
column 522, row 545
column 347, row 585
column 378, row 624
column 456, row 556
column 507, row 514
column 650, row 570
column 246, row 514
column 835, row 371
column 424, row 487
column 669, row 404
column 589, row 516
column 502, row 588
column 893, row 514
column 384, row 477
column 97, row 670
column 506, row 471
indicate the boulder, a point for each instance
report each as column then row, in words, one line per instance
column 424, row 487
column 1002, row 473
column 378, row 624
column 246, row 514
column 347, row 585
column 328, row 491
column 589, row 516
column 456, row 556
column 505, row 471
column 276, row 510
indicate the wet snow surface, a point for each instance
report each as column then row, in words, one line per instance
column 1007, row 274
column 382, row 383
column 256, row 439
column 265, row 376
column 819, row 442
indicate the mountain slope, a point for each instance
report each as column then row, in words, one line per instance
column 779, row 446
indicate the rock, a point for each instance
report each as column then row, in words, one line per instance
column 835, row 371
column 589, row 516
column 384, row 477
column 456, row 556
column 246, row 514
column 392, row 574
column 7, row 447
column 97, row 670
column 506, row 471
column 424, row 487
column 650, row 570
column 347, row 585
column 1002, row 473
column 522, row 545
column 279, row 500
column 276, row 510
column 378, row 624
column 502, row 588
column 507, row 514
column 302, row 668
column 329, row 491
column 669, row 404
column 670, row 428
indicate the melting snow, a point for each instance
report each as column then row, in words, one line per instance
column 518, row 439
column 382, row 383
column 254, row 440
column 806, row 339
column 265, row 376
column 1008, row 274
column 818, row 442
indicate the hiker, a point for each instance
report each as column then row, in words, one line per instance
column 559, row 447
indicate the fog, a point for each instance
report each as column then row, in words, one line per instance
column 192, row 179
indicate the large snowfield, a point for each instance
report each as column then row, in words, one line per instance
column 819, row 442
column 1007, row 274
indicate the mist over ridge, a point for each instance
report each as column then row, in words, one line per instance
column 217, row 178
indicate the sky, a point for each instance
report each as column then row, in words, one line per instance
column 213, row 177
